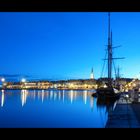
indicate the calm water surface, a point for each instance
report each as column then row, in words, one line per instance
column 51, row 109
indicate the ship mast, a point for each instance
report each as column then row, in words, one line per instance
column 109, row 53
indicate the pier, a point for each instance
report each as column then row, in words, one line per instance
column 125, row 115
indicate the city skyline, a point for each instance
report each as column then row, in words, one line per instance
column 66, row 45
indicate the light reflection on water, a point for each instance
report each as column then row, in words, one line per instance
column 51, row 108
column 53, row 95
column 2, row 98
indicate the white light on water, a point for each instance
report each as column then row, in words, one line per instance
column 24, row 94
column 85, row 96
column 127, row 95
column 2, row 98
column 42, row 95
column 71, row 96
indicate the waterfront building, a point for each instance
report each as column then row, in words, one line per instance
column 76, row 84
column 12, row 85
column 44, row 84
column 28, row 85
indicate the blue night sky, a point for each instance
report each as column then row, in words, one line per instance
column 65, row 45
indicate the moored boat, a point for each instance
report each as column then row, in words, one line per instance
column 108, row 92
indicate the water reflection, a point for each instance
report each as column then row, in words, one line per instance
column 24, row 95
column 108, row 103
column 2, row 98
column 65, row 102
column 61, row 95
column 85, row 96
column 42, row 96
column 54, row 95
column 91, row 102
column 51, row 94
column 71, row 96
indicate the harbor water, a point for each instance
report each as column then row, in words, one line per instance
column 51, row 109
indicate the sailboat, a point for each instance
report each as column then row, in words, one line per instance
column 108, row 93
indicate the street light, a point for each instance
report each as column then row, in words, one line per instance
column 23, row 80
column 3, row 79
column 3, row 82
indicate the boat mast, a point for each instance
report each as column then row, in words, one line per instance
column 109, row 52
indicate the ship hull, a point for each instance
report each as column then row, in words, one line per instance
column 106, row 94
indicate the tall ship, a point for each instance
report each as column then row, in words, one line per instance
column 108, row 92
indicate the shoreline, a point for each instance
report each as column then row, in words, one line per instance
column 43, row 89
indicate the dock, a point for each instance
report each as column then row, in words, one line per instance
column 125, row 115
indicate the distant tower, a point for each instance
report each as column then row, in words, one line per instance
column 91, row 75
